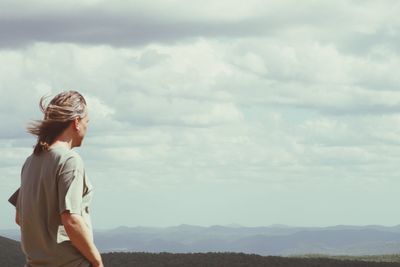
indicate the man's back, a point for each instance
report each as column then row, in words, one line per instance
column 47, row 180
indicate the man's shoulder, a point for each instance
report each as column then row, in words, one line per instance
column 64, row 154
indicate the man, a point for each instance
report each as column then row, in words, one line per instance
column 52, row 203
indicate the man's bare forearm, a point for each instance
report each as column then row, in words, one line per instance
column 17, row 217
column 80, row 237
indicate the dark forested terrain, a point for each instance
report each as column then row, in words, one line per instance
column 11, row 256
column 10, row 253
column 227, row 260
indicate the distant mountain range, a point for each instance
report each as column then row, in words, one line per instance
column 272, row 240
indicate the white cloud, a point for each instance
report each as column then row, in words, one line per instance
column 300, row 103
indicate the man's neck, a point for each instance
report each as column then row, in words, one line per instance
column 62, row 143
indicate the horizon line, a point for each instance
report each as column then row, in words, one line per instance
column 231, row 225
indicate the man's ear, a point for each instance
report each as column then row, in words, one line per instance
column 75, row 124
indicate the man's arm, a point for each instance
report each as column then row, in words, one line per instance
column 17, row 217
column 80, row 237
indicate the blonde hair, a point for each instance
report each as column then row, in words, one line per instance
column 58, row 115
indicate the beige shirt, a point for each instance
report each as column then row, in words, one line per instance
column 51, row 183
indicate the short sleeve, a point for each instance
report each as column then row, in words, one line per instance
column 71, row 185
column 14, row 198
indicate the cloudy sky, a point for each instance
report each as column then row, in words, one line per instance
column 214, row 112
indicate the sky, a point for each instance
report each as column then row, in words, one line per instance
column 214, row 112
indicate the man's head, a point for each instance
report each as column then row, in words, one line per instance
column 66, row 112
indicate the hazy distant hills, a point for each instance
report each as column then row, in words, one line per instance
column 272, row 240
